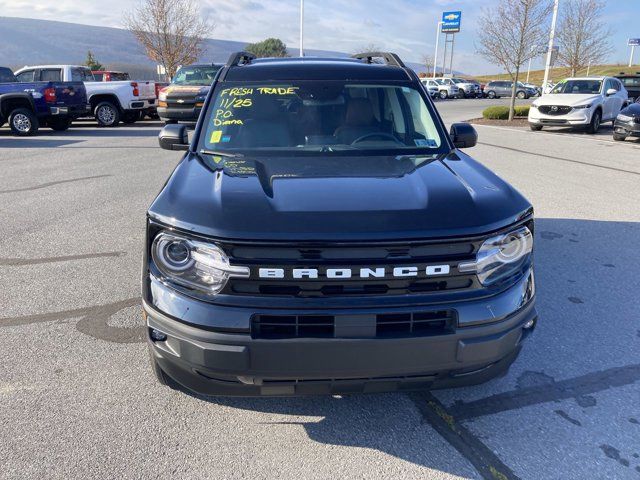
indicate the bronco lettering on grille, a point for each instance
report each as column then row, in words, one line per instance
column 341, row 273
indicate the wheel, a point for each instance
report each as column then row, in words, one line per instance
column 443, row 94
column 461, row 94
column 619, row 137
column 131, row 116
column 59, row 124
column 23, row 122
column 107, row 114
column 161, row 377
column 594, row 125
column 491, row 94
column 521, row 95
column 534, row 127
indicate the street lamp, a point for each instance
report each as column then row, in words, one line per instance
column 302, row 28
column 550, row 50
column 435, row 56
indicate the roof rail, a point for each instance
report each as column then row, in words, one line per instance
column 389, row 58
column 240, row 58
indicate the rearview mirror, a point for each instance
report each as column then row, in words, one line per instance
column 611, row 91
column 463, row 135
column 174, row 137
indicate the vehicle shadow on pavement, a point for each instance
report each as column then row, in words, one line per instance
column 584, row 292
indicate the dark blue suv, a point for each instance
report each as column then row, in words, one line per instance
column 325, row 234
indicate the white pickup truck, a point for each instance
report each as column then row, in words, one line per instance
column 111, row 102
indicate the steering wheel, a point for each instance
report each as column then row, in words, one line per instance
column 383, row 135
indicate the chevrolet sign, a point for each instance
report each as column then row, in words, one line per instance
column 451, row 22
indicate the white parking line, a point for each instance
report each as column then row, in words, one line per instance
column 560, row 135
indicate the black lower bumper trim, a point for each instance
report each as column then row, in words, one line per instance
column 216, row 363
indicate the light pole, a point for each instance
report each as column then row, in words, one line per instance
column 435, row 56
column 302, row 28
column 550, row 50
column 533, row 47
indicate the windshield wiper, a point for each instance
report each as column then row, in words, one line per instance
column 218, row 153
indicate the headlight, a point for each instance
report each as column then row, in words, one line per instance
column 624, row 118
column 193, row 264
column 533, row 105
column 162, row 95
column 584, row 106
column 501, row 256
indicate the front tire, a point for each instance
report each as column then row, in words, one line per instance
column 521, row 95
column 491, row 94
column 443, row 95
column 594, row 125
column 107, row 114
column 534, row 127
column 59, row 124
column 619, row 137
column 23, row 122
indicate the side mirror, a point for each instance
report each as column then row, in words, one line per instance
column 174, row 137
column 611, row 91
column 463, row 135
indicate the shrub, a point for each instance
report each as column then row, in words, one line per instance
column 496, row 113
column 502, row 112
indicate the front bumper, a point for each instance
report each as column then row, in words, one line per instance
column 214, row 362
column 142, row 104
column 575, row 117
column 628, row 128
column 190, row 114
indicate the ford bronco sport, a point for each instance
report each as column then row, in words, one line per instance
column 324, row 234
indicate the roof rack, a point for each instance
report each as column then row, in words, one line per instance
column 389, row 58
column 240, row 58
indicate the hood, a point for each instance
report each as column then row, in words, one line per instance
column 570, row 99
column 337, row 198
column 632, row 110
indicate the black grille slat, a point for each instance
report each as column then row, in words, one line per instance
column 402, row 324
column 554, row 109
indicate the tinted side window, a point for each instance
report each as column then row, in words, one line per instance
column 50, row 75
column 26, row 76
column 81, row 75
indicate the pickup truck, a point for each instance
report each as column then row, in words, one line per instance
column 26, row 106
column 111, row 102
column 183, row 99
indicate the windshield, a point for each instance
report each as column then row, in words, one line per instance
column 7, row 75
column 630, row 81
column 316, row 116
column 202, row 75
column 578, row 86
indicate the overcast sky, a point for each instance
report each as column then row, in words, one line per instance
column 404, row 26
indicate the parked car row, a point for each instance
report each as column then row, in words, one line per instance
column 69, row 92
column 454, row 87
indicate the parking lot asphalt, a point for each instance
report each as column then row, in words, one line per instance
column 78, row 399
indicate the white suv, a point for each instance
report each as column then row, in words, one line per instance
column 579, row 102
column 448, row 88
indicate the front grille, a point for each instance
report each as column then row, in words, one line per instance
column 554, row 109
column 416, row 324
column 387, row 325
column 353, row 258
column 293, row 326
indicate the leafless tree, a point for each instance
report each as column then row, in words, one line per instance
column 581, row 36
column 508, row 34
column 171, row 31
column 427, row 62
